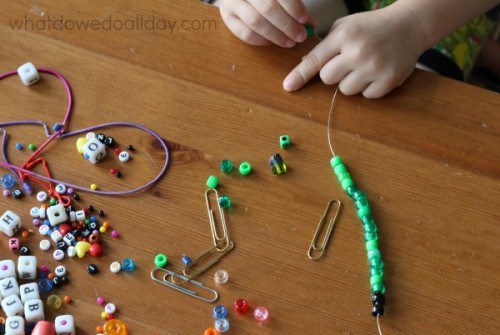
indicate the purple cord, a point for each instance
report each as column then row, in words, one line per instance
column 65, row 122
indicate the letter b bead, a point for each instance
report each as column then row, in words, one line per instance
column 28, row 74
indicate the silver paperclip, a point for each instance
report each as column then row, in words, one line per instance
column 321, row 249
column 201, row 263
column 168, row 282
column 218, row 240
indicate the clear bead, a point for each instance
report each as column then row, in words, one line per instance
column 260, row 313
column 221, row 277
column 221, row 325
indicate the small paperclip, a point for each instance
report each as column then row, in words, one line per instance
column 215, row 235
column 321, row 249
column 167, row 282
column 195, row 263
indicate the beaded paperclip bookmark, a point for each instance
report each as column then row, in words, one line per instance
column 315, row 252
column 364, row 213
column 221, row 242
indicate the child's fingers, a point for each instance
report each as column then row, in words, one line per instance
column 296, row 9
column 376, row 90
column 311, row 64
column 244, row 33
column 354, row 83
column 335, row 70
column 256, row 22
column 275, row 14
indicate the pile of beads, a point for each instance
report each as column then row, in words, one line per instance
column 370, row 232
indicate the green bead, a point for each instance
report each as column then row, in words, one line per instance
column 362, row 202
column 370, row 228
column 53, row 201
column 212, row 181
column 226, row 166
column 245, row 168
column 87, row 221
column 374, row 280
column 376, row 263
column 161, row 260
column 377, row 272
column 364, row 211
column 224, row 201
column 374, row 253
column 340, row 169
column 285, row 141
column 335, row 161
column 32, row 147
column 310, row 30
column 367, row 220
column 359, row 195
column 345, row 183
column 379, row 287
column 351, row 190
column 342, row 176
column 371, row 236
column 371, row 244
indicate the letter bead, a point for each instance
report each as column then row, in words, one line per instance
column 28, row 74
column 14, row 244
column 57, row 215
column 12, row 305
column 9, row 286
column 124, row 156
column 29, row 292
column 10, row 223
column 26, row 267
column 7, row 269
column 33, row 310
column 94, row 150
column 65, row 325
column 14, row 325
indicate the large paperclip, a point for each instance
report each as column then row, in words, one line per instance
column 314, row 248
column 220, row 242
column 201, row 263
column 165, row 280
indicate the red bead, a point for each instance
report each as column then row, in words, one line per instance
column 113, row 171
column 64, row 228
column 118, row 151
column 95, row 249
column 241, row 306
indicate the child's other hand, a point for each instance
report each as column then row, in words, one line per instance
column 370, row 52
column 262, row 22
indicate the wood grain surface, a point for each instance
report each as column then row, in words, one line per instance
column 427, row 155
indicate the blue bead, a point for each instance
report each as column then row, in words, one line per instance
column 46, row 222
column 128, row 265
column 43, row 275
column 45, row 285
column 186, row 260
column 19, row 146
column 219, row 312
column 93, row 219
column 277, row 165
column 221, row 325
column 57, row 127
column 8, row 181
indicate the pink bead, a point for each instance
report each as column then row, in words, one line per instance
column 100, row 300
column 44, row 268
column 70, row 191
column 36, row 222
column 6, row 193
column 115, row 233
column 14, row 244
column 260, row 313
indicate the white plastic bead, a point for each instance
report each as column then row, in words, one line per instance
column 56, row 236
column 44, row 245
column 115, row 267
column 10, row 223
column 28, row 74
column 65, row 325
column 41, row 196
column 26, row 267
column 71, row 251
column 60, row 188
column 29, row 291
column 14, row 325
column 124, row 156
column 94, row 150
column 58, row 254
column 89, row 135
column 7, row 268
column 110, row 308
column 60, row 270
column 44, row 229
column 9, row 286
column 35, row 212
column 33, row 310
column 57, row 214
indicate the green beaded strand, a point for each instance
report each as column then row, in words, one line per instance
column 370, row 231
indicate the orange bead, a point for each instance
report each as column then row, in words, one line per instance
column 106, row 225
column 99, row 329
column 67, row 299
column 211, row 331
column 25, row 234
column 51, row 276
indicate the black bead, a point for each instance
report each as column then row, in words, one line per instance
column 110, row 142
column 130, row 147
column 61, row 245
column 377, row 311
column 76, row 197
column 76, row 232
column 378, row 298
column 24, row 250
column 93, row 225
column 86, row 233
column 101, row 137
column 17, row 193
column 92, row 269
column 57, row 282
column 64, row 280
column 118, row 174
column 91, row 208
column 101, row 212
column 70, row 209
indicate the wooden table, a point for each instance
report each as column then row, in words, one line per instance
column 427, row 155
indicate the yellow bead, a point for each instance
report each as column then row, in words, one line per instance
column 81, row 248
column 103, row 229
column 79, row 144
column 54, row 301
column 104, row 315
column 93, row 187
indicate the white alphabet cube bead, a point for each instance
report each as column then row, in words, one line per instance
column 65, row 325
column 26, row 267
column 12, row 305
column 7, row 269
column 14, row 325
column 10, row 223
column 56, row 236
column 94, row 150
column 29, row 292
column 33, row 310
column 57, row 215
column 28, row 74
column 9, row 286
column 80, row 215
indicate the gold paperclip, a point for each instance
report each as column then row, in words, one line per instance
column 321, row 249
column 195, row 263
column 218, row 240
column 167, row 282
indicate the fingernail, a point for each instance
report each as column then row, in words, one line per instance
column 301, row 37
column 290, row 43
column 303, row 19
column 289, row 84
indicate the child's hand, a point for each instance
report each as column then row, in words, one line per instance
column 262, row 22
column 370, row 52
